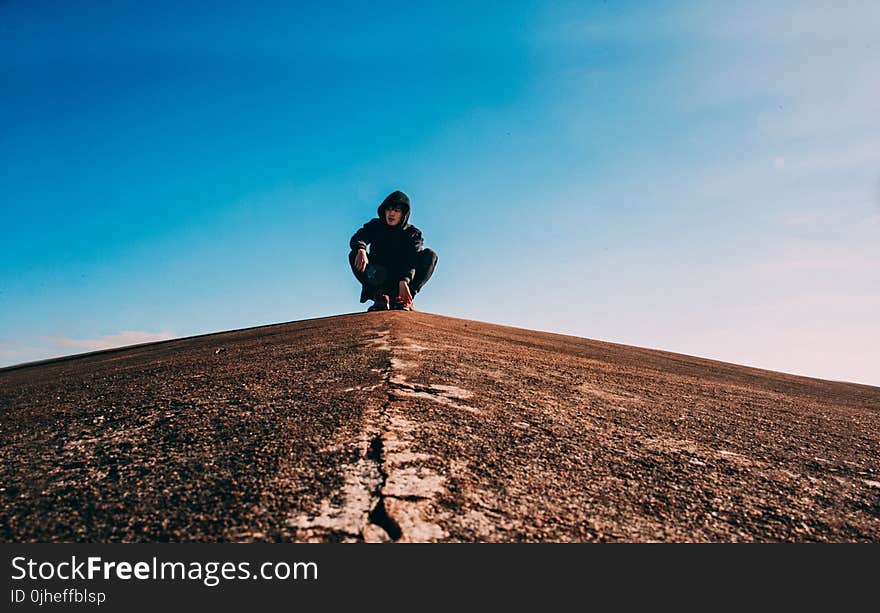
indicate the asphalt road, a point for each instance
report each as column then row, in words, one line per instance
column 415, row 427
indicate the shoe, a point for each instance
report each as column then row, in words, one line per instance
column 400, row 306
column 380, row 303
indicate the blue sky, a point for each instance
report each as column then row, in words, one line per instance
column 692, row 176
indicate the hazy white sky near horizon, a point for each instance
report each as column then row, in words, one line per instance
column 698, row 177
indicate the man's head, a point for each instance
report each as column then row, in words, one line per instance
column 394, row 210
column 393, row 214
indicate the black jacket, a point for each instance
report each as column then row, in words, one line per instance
column 394, row 247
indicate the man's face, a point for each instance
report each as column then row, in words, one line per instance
column 393, row 214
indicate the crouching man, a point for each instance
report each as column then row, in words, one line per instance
column 397, row 266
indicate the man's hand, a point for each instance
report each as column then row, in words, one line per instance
column 404, row 296
column 361, row 260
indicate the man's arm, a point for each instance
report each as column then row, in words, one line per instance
column 416, row 244
column 359, row 242
column 362, row 237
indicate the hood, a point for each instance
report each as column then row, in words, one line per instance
column 400, row 198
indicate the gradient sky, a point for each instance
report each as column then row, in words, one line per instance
column 701, row 177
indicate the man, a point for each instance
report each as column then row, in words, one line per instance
column 397, row 266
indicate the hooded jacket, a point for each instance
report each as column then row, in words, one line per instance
column 394, row 247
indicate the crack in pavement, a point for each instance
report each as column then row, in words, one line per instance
column 407, row 487
column 379, row 513
column 444, row 394
column 358, row 516
column 389, row 492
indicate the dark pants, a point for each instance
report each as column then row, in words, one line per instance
column 380, row 276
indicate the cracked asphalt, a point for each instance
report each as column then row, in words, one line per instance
column 412, row 427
